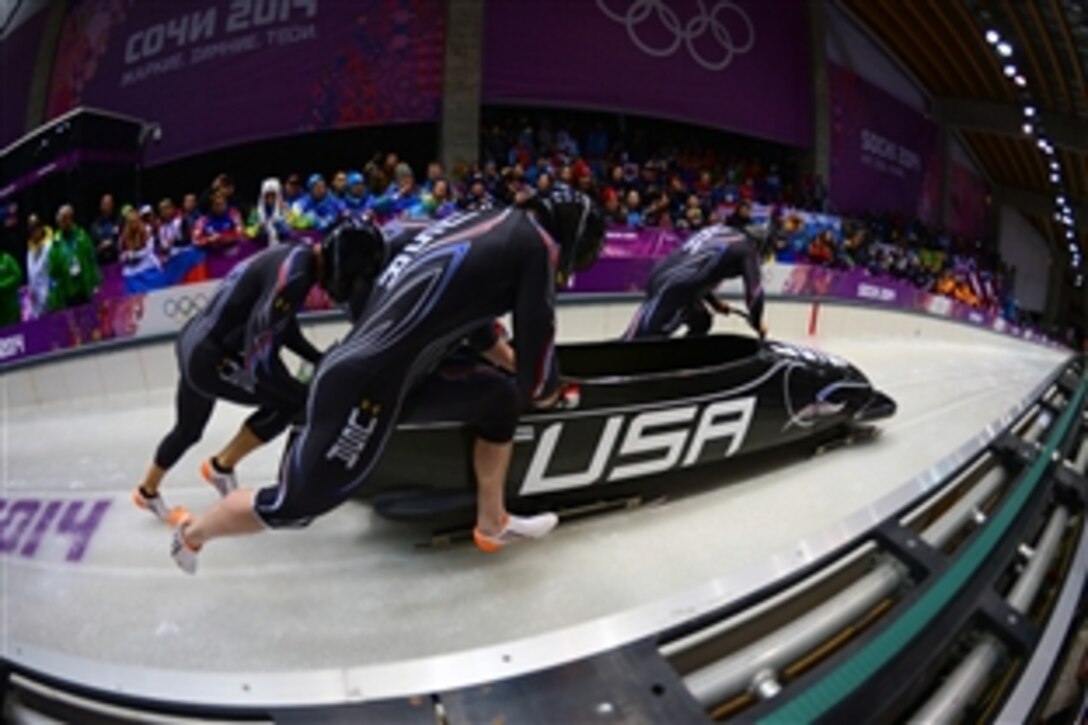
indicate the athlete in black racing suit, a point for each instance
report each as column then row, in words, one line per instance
column 230, row 350
column 683, row 284
column 449, row 283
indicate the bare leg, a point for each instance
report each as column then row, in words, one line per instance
column 231, row 516
column 152, row 480
column 491, row 462
column 241, row 445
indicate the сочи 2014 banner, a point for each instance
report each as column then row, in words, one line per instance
column 219, row 72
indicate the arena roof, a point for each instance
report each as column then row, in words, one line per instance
column 984, row 84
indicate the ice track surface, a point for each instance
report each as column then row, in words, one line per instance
column 353, row 590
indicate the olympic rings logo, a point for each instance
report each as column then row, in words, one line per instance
column 712, row 21
column 184, row 306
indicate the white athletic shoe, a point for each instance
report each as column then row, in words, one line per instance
column 157, row 507
column 224, row 483
column 516, row 528
column 182, row 552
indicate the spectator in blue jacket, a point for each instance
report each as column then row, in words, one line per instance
column 356, row 197
column 319, row 209
column 402, row 194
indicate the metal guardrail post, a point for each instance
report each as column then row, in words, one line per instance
column 751, row 668
column 1021, row 597
column 968, row 680
column 738, row 672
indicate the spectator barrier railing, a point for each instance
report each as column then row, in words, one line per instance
column 624, row 266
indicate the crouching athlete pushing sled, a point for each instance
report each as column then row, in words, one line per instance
column 682, row 286
column 230, row 351
column 448, row 283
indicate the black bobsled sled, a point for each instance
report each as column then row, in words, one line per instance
column 643, row 409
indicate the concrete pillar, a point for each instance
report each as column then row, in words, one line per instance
column 820, row 158
column 38, row 100
column 459, row 140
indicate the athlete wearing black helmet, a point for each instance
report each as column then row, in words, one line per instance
column 352, row 255
column 576, row 223
column 406, row 358
column 681, row 287
column 230, row 349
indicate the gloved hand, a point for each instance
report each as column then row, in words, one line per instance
column 305, row 372
column 567, row 397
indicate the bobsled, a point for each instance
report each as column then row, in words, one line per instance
column 634, row 413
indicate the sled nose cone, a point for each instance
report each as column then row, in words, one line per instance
column 879, row 407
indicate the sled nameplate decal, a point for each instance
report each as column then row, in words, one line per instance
column 665, row 433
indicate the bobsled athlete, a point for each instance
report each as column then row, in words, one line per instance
column 681, row 287
column 449, row 283
column 230, row 350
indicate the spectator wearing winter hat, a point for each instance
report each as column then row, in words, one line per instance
column 269, row 219
column 613, row 210
column 319, row 209
column 356, row 197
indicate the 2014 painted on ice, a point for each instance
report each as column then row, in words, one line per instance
column 26, row 523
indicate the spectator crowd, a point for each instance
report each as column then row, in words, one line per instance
column 669, row 187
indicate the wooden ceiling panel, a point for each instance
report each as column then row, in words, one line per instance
column 888, row 23
column 1070, row 51
column 1055, row 74
column 942, row 43
column 1034, row 68
column 975, row 50
column 997, row 166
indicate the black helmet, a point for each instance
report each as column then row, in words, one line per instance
column 354, row 252
column 577, row 225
